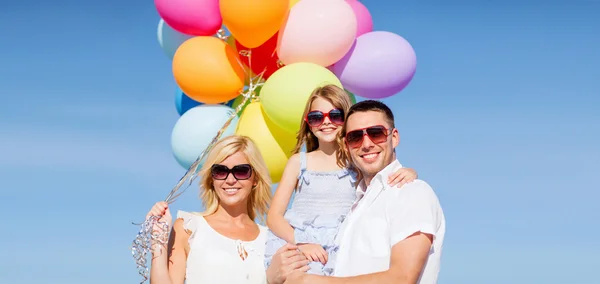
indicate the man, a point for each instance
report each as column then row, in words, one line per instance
column 390, row 236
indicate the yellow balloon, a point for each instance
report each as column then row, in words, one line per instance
column 274, row 143
column 293, row 2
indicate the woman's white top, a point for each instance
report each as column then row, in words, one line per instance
column 214, row 258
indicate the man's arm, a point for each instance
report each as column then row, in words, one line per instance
column 407, row 261
column 412, row 228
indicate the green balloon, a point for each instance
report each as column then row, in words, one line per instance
column 352, row 96
column 284, row 95
column 237, row 101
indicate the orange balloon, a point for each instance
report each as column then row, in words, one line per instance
column 208, row 70
column 253, row 22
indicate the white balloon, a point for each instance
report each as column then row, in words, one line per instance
column 196, row 128
column 170, row 39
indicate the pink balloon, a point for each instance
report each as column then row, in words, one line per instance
column 192, row 17
column 363, row 17
column 317, row 31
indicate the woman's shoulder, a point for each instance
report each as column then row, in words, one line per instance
column 263, row 233
column 187, row 221
column 188, row 216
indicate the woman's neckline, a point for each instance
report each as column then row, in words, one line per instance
column 235, row 240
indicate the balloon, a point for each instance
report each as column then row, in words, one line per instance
column 263, row 58
column 196, row 128
column 170, row 39
column 231, row 42
column 379, row 65
column 364, row 21
column 208, row 70
column 317, row 31
column 274, row 144
column 352, row 97
column 285, row 93
column 293, row 2
column 239, row 101
column 253, row 22
column 235, row 103
column 197, row 17
column 183, row 103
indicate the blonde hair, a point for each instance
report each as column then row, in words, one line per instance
column 260, row 197
column 338, row 98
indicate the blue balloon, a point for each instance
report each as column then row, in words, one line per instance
column 170, row 39
column 184, row 103
column 196, row 128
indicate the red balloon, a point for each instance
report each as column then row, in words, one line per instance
column 264, row 58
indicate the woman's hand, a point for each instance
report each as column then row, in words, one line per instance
column 313, row 252
column 161, row 209
column 402, row 177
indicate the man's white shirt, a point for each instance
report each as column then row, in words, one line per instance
column 385, row 216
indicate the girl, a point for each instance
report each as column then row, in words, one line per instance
column 325, row 185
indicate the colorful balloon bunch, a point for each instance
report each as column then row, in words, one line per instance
column 277, row 52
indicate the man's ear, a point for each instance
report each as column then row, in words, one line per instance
column 395, row 138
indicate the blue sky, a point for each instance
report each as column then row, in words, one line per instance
column 499, row 119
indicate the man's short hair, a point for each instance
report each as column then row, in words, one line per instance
column 372, row 105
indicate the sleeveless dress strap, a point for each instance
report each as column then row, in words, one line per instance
column 302, row 165
column 302, row 161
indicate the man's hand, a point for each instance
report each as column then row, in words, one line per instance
column 286, row 260
column 313, row 252
column 296, row 277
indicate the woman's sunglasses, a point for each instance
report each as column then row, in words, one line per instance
column 378, row 134
column 240, row 172
column 316, row 117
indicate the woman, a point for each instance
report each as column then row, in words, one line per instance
column 223, row 244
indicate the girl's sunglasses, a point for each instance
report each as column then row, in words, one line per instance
column 378, row 134
column 316, row 117
column 240, row 172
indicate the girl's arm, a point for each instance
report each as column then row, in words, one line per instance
column 402, row 177
column 168, row 264
column 278, row 225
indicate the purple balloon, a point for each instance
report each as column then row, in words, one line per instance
column 379, row 64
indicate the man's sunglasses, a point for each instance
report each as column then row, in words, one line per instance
column 378, row 134
column 316, row 117
column 240, row 172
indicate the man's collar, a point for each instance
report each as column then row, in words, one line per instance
column 381, row 176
